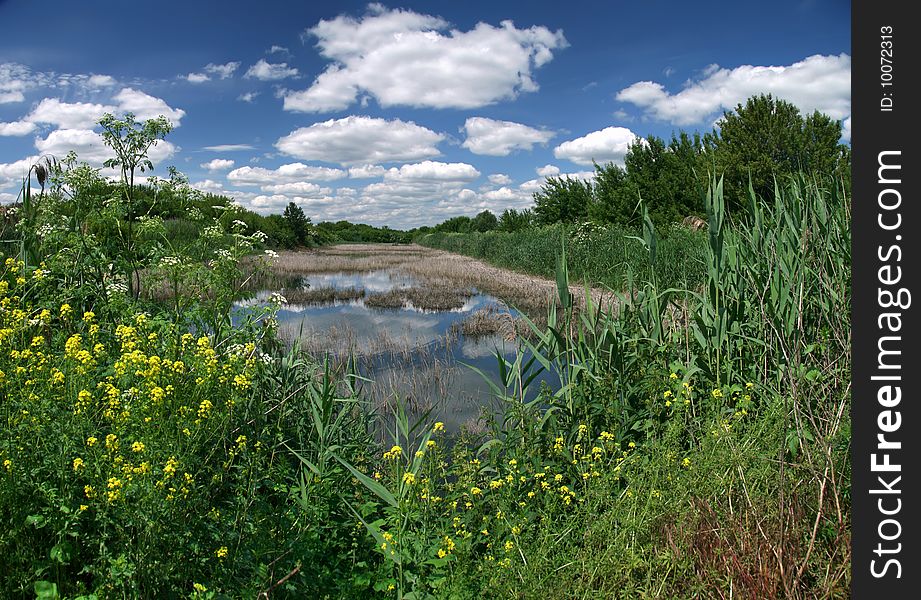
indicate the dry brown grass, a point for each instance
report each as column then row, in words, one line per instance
column 435, row 270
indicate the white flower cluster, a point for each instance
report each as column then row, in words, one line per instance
column 271, row 254
column 170, row 261
column 116, row 288
column 212, row 231
column 277, row 298
column 237, row 223
column 224, row 254
column 260, row 236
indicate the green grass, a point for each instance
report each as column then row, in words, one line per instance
column 598, row 255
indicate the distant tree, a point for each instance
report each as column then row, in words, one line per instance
column 514, row 220
column 614, row 197
column 562, row 200
column 769, row 138
column 298, row 223
column 665, row 177
column 456, row 225
column 278, row 229
column 485, row 221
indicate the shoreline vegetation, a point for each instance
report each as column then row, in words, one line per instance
column 697, row 445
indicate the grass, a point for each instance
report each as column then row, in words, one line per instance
column 599, row 256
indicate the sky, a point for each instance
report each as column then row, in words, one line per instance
column 400, row 114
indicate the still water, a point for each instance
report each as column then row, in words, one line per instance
column 419, row 355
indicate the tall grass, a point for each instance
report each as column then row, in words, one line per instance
column 697, row 444
column 597, row 255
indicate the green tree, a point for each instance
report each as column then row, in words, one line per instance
column 514, row 220
column 614, row 197
column 562, row 200
column 485, row 221
column 298, row 223
column 769, row 138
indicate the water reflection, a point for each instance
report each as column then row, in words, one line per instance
column 415, row 354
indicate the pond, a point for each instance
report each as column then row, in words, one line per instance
column 415, row 338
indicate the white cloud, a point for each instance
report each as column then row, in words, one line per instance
column 197, row 78
column 16, row 79
column 224, row 71
column 298, row 188
column 100, row 81
column 499, row 179
column 16, row 128
column 266, row 71
column 404, row 58
column 66, row 115
column 846, row 130
column 12, row 173
column 499, row 138
column 218, row 164
column 608, row 145
column 90, row 147
column 144, row 106
column 248, row 97
column 229, row 147
column 289, row 173
column 535, row 185
column 818, row 82
column 366, row 172
column 433, row 171
column 278, row 49
column 548, row 170
column 7, row 198
column 358, row 140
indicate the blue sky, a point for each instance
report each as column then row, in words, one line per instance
column 400, row 114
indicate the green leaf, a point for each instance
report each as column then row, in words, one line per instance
column 45, row 590
column 62, row 552
column 379, row 490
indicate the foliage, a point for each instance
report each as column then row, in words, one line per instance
column 595, row 254
column 768, row 138
column 562, row 200
column 515, row 220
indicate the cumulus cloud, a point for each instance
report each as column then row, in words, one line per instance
column 266, row 71
column 499, row 179
column 607, row 145
column 197, row 78
column 548, row 170
column 500, row 138
column 16, row 128
column 144, row 106
column 224, row 71
column 100, row 81
column 404, row 58
column 218, row 164
column 366, row 172
column 818, row 82
column 433, row 171
column 13, row 172
column 358, row 140
column 248, row 97
column 289, row 173
column 68, row 115
column 298, row 188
